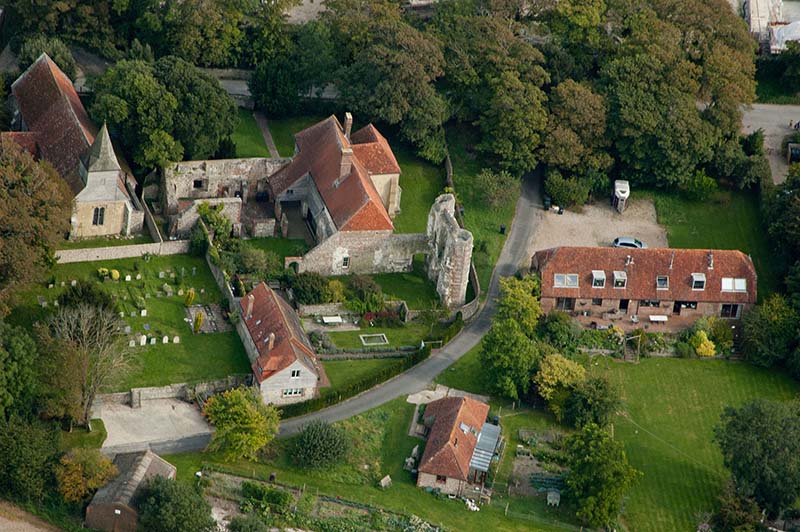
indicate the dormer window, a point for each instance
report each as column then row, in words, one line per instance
column 662, row 282
column 598, row 279
column 620, row 279
column 565, row 280
column 698, row 281
column 734, row 284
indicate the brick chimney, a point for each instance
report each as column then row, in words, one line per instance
column 271, row 341
column 348, row 125
column 248, row 307
column 710, row 260
column 346, row 165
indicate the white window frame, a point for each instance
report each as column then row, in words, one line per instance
column 292, row 392
column 566, row 280
column 345, row 262
column 698, row 277
column 295, row 373
column 666, row 279
column 598, row 275
column 620, row 276
column 739, row 284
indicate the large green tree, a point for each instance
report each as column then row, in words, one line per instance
column 598, row 475
column 170, row 506
column 19, row 358
column 243, row 424
column 508, row 358
column 519, row 302
column 34, row 216
column 28, row 451
column 760, row 443
column 770, row 331
column 54, row 47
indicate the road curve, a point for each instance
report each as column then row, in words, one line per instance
column 513, row 255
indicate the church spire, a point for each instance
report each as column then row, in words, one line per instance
column 101, row 155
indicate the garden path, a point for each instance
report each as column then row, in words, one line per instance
column 261, row 120
column 514, row 255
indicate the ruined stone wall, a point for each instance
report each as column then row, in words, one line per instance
column 216, row 178
column 449, row 252
column 181, row 224
column 173, row 247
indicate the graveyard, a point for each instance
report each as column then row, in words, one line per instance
column 151, row 295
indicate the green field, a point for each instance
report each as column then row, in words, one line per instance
column 284, row 129
column 670, row 409
column 248, row 138
column 421, row 182
column 343, row 373
column 195, row 358
column 729, row 220
column 105, row 242
column 82, row 438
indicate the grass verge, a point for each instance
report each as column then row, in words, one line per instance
column 248, row 138
column 343, row 373
column 421, row 182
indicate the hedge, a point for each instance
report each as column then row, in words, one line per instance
column 318, row 403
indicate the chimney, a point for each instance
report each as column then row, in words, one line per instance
column 248, row 309
column 345, row 165
column 348, row 125
column 671, row 259
column 271, row 341
column 710, row 260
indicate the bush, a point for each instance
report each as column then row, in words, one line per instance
column 263, row 263
column 699, row 187
column 309, row 288
column 198, row 241
column 320, row 444
column 102, row 272
column 169, row 506
column 265, row 499
column 592, row 401
column 198, row 322
column 336, row 291
column 685, row 350
column 35, row 46
column 190, row 297
column 717, row 330
column 565, row 191
column 27, row 456
column 82, row 471
column 115, row 275
column 364, row 294
column 248, row 523
column 497, row 188
column 86, row 292
column 561, row 331
column 703, row 347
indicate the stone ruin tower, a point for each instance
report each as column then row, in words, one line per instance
column 450, row 252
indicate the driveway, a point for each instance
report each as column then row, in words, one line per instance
column 774, row 120
column 13, row 519
column 514, row 255
column 162, row 425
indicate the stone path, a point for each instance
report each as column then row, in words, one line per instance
column 261, row 120
column 514, row 255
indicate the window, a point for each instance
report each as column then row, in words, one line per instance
column 292, row 392
column 598, row 279
column 698, row 281
column 566, row 280
column 197, row 183
column 649, row 303
column 734, row 284
column 99, row 216
column 441, row 479
column 662, row 282
column 597, row 301
column 620, row 279
column 730, row 311
column 295, row 373
column 346, row 262
column 691, row 305
column 565, row 303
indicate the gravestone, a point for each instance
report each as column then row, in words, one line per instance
column 55, row 303
column 194, row 271
column 153, row 341
column 73, row 283
column 161, row 275
column 183, row 271
column 143, row 340
column 180, row 292
column 127, row 277
column 176, row 340
column 138, row 276
column 63, row 283
column 121, row 314
column 165, row 340
column 133, row 314
column 50, row 285
column 202, row 290
column 132, row 343
column 146, row 326
column 172, row 275
column 143, row 313
column 42, row 301
column 127, row 329
column 159, row 294
column 147, row 295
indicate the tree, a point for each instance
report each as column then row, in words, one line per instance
column 592, row 401
column 598, row 475
column 169, row 506
column 736, row 512
column 275, row 85
column 18, row 360
column 498, row 188
column 34, row 215
column 760, row 443
column 519, row 302
column 28, row 451
column 556, row 379
column 62, row 374
column 37, row 45
column 770, row 331
column 243, row 424
column 320, row 444
column 80, row 472
column 247, row 523
column 560, row 330
column 87, row 293
column 508, row 358
column 94, row 335
column 260, row 262
column 309, row 288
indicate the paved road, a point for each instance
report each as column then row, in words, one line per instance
column 513, row 255
column 774, row 120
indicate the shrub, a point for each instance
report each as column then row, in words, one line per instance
column 169, row 506
column 35, row 46
column 82, row 471
column 592, row 401
column 699, row 187
column 198, row 240
column 27, row 454
column 556, row 379
column 266, row 499
column 309, row 288
column 336, row 291
column 86, row 292
column 198, row 322
column 102, row 272
column 685, row 350
column 248, row 523
column 257, row 261
column 566, row 191
column 561, row 331
column 243, row 424
column 115, row 275
column 320, row 444
column 497, row 188
column 190, row 296
column 703, row 347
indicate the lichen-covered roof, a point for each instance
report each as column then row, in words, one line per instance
column 134, row 469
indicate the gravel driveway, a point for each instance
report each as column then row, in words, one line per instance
column 774, row 120
column 12, row 519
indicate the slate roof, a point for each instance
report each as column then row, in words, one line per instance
column 101, row 156
column 50, row 107
column 642, row 269
column 456, row 423
column 271, row 314
column 134, row 469
column 339, row 174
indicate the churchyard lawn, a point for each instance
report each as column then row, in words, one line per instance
column 197, row 357
column 144, row 238
column 248, row 138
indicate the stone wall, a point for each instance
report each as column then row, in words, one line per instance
column 182, row 391
column 262, row 228
column 174, row 247
column 181, row 224
column 450, row 252
column 449, row 486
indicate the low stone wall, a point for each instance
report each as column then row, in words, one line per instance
column 182, row 391
column 175, row 247
column 263, row 227
column 468, row 310
column 324, row 309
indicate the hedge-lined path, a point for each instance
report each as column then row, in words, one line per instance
column 513, row 256
column 263, row 125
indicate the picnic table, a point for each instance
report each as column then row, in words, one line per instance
column 332, row 320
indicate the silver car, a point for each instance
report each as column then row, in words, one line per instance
column 628, row 242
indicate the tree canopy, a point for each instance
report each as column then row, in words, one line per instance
column 169, row 506
column 508, row 358
column 243, row 424
column 18, row 360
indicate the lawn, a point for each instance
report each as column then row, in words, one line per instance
column 283, row 247
column 466, row 374
column 409, row 335
column 343, row 373
column 105, row 242
column 413, row 287
column 421, row 183
column 83, row 439
column 380, row 443
column 248, row 138
column 195, row 358
column 671, row 408
column 484, row 222
column 284, row 129
column 730, row 220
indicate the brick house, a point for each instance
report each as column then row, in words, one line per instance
column 461, row 446
column 53, row 125
column 666, row 289
column 283, row 361
column 112, row 508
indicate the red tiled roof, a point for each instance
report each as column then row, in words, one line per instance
column 644, row 266
column 340, row 176
column 50, row 107
column 372, row 149
column 450, row 447
column 271, row 314
column 24, row 139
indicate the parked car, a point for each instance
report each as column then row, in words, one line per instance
column 628, row 242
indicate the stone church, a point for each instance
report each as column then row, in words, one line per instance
column 51, row 123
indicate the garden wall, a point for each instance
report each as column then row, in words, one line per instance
column 183, row 391
column 175, row 247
